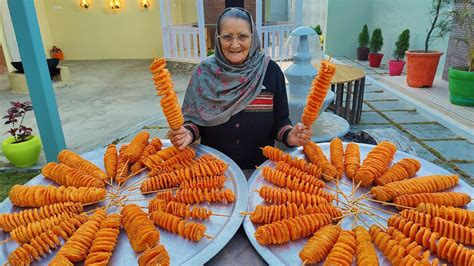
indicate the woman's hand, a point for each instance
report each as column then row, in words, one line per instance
column 300, row 135
column 180, row 138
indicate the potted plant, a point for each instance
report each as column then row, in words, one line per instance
column 376, row 43
column 422, row 64
column 395, row 67
column 57, row 53
column 461, row 78
column 363, row 50
column 318, row 31
column 22, row 148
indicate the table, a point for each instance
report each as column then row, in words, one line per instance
column 348, row 85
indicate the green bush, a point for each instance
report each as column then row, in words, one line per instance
column 210, row 52
column 364, row 36
column 376, row 42
column 318, row 30
column 402, row 45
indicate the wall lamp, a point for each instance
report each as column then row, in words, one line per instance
column 145, row 3
column 85, row 4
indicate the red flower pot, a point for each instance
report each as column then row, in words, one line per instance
column 395, row 67
column 375, row 59
column 421, row 68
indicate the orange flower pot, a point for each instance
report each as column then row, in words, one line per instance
column 59, row 55
column 421, row 68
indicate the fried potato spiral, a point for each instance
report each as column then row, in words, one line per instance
column 197, row 195
column 404, row 169
column 281, row 179
column 69, row 177
column 456, row 199
column 110, row 161
column 104, row 241
column 278, row 155
column 319, row 246
column 140, row 230
column 337, row 155
column 75, row 161
column 282, row 196
column 352, row 159
column 273, row 213
column 189, row 230
column 156, row 255
column 365, row 251
column 343, row 251
column 136, row 147
column 457, row 215
column 317, row 157
column 376, row 163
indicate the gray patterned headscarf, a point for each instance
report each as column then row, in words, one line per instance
column 218, row 89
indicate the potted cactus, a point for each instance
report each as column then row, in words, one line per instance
column 363, row 50
column 461, row 78
column 395, row 66
column 376, row 43
column 422, row 64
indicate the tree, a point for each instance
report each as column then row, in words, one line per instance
column 402, row 45
column 364, row 36
column 440, row 21
column 376, row 42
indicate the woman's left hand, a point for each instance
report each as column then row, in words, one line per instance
column 300, row 135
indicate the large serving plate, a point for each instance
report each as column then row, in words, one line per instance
column 181, row 251
column 288, row 254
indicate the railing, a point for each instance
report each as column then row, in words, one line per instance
column 182, row 43
column 274, row 40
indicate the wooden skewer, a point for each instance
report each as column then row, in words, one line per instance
column 94, row 202
column 246, row 213
column 218, row 214
column 374, row 214
column 355, row 189
column 390, row 204
column 379, row 209
column 6, row 240
column 208, row 237
column 161, row 190
column 377, row 221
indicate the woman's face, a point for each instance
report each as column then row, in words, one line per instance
column 235, row 39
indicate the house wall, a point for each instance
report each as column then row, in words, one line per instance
column 346, row 18
column 314, row 13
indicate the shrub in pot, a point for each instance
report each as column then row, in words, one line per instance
column 376, row 43
column 22, row 148
column 396, row 65
column 422, row 64
column 461, row 78
column 363, row 49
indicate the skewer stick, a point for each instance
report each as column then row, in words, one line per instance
column 161, row 190
column 335, row 179
column 355, row 189
column 377, row 221
column 390, row 204
column 137, row 181
column 218, row 214
column 246, row 213
column 209, row 237
column 368, row 212
column 90, row 203
column 120, row 174
column 6, row 240
column 379, row 209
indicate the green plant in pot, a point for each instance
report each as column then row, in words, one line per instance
column 363, row 49
column 422, row 64
column 395, row 66
column 461, row 78
column 22, row 148
column 376, row 43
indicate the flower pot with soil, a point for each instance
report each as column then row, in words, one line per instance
column 376, row 43
column 363, row 50
column 395, row 66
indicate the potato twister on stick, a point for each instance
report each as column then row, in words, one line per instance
column 197, row 195
column 157, row 205
column 136, row 147
column 188, row 162
column 29, row 196
column 337, row 156
column 73, row 160
column 110, row 161
column 60, row 260
column 455, row 199
column 411, row 247
column 317, row 157
column 317, row 93
column 165, row 195
column 295, row 172
column 69, row 177
column 320, row 244
column 140, row 230
column 291, row 229
column 156, row 255
column 37, row 248
column 446, row 248
column 376, row 163
column 457, row 215
column 389, row 247
column 273, row 213
column 278, row 155
column 365, row 251
column 104, row 241
column 164, row 86
column 10, row 221
column 156, row 160
column 209, row 182
column 460, row 233
column 45, row 242
column 162, row 181
column 77, row 246
column 184, row 211
column 282, row 196
column 189, row 230
column 351, row 159
column 122, row 165
column 423, row 184
column 152, row 148
column 23, row 234
column 404, row 169
column 343, row 251
column 281, row 179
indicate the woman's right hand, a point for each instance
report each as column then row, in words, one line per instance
column 180, row 137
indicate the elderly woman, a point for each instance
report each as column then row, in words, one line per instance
column 236, row 99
